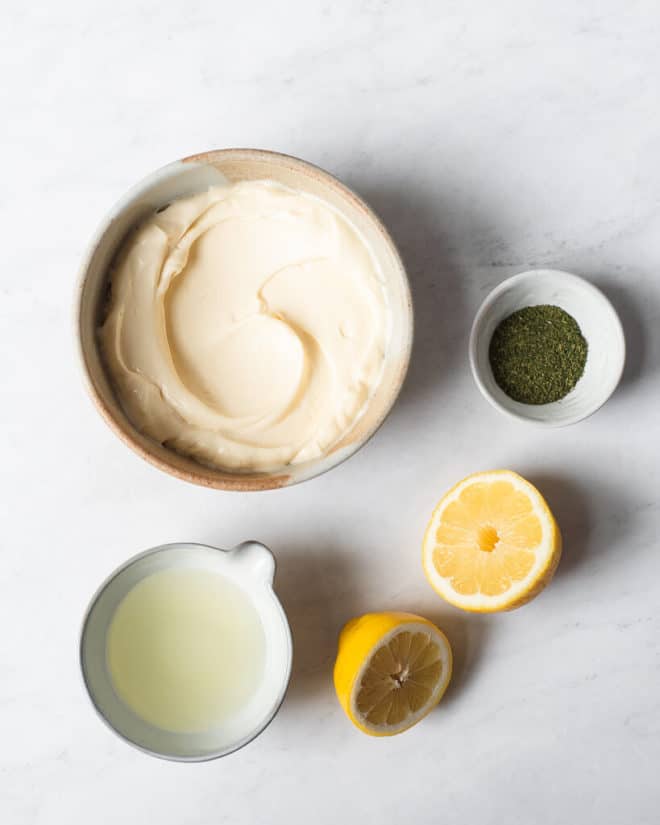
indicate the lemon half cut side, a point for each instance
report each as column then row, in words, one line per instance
column 391, row 670
column 492, row 543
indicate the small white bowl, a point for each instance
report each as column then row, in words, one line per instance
column 598, row 321
column 251, row 567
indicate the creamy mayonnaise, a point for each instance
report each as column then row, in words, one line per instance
column 247, row 326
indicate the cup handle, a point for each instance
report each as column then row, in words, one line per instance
column 256, row 559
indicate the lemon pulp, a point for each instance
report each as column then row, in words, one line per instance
column 400, row 679
column 492, row 542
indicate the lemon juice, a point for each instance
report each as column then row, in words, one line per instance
column 185, row 649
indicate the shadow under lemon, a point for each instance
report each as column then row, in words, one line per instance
column 591, row 514
column 320, row 595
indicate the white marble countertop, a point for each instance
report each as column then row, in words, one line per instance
column 492, row 138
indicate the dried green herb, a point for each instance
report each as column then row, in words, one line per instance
column 538, row 354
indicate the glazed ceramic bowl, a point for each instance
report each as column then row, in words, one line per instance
column 251, row 567
column 598, row 321
column 195, row 174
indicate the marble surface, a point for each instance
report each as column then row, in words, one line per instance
column 492, row 138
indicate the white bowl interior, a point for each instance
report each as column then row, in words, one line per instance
column 250, row 566
column 598, row 322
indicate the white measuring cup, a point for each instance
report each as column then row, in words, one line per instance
column 251, row 567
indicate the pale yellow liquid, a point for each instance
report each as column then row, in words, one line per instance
column 185, row 649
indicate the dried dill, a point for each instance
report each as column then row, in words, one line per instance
column 538, row 354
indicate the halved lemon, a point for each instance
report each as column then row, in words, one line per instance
column 391, row 670
column 492, row 543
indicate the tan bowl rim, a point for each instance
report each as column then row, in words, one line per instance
column 222, row 479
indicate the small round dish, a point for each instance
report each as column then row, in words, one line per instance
column 598, row 321
column 195, row 174
column 251, row 567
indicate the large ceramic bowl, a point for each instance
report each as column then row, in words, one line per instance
column 194, row 174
